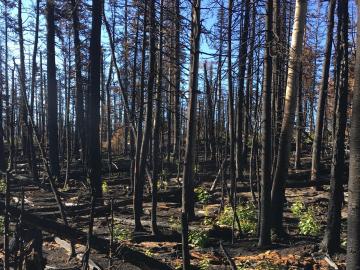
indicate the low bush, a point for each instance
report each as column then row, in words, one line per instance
column 308, row 224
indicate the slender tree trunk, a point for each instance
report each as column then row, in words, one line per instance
column 139, row 180
column 331, row 241
column 93, row 144
column 2, row 150
column 32, row 91
column 265, row 199
column 231, row 101
column 281, row 172
column 156, row 131
column 139, row 134
column 79, row 99
column 52, row 90
column 12, row 123
column 240, row 103
column 126, row 77
column 220, row 124
column 187, row 208
column 7, row 94
column 108, row 116
column 133, row 108
column 210, row 114
column 23, row 121
column 299, row 122
column 353, row 222
column 177, row 78
column 317, row 143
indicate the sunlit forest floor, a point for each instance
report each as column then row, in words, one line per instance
column 305, row 220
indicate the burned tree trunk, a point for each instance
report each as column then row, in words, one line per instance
column 317, row 144
column 139, row 179
column 52, row 121
column 331, row 241
column 353, row 223
column 187, row 208
column 265, row 199
column 93, row 118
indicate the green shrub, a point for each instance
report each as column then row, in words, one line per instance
column 202, row 195
column 196, row 168
column 225, row 217
column 308, row 225
column 175, row 224
column 247, row 214
column 208, row 221
column 344, row 243
column 104, row 187
column 204, row 264
column 121, row 233
column 2, row 186
column 198, row 238
column 149, row 253
column 297, row 208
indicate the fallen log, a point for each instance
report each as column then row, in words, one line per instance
column 102, row 245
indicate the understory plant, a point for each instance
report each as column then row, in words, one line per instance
column 198, row 238
column 247, row 214
column 175, row 223
column 2, row 186
column 204, row 264
column 121, row 233
column 104, row 187
column 202, row 195
column 308, row 224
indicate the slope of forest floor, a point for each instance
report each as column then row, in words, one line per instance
column 298, row 251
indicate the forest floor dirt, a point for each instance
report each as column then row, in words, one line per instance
column 296, row 252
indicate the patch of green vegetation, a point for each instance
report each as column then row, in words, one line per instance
column 297, row 208
column 175, row 224
column 198, row 238
column 202, row 195
column 208, row 221
column 247, row 214
column 308, row 224
column 196, row 168
column 104, row 187
column 162, row 185
column 121, row 233
column 149, row 253
column 2, row 186
column 263, row 265
column 344, row 243
column 204, row 264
